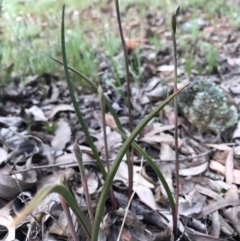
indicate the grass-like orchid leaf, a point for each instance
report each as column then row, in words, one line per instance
column 75, row 104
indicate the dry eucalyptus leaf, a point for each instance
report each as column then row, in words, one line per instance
column 11, row 121
column 162, row 138
column 226, row 227
column 62, row 135
column 166, row 68
column 158, row 92
column 166, row 152
column 196, row 236
column 193, row 171
column 219, row 204
column 152, row 82
column 220, row 147
column 192, row 204
column 122, row 172
column 110, row 120
column 60, row 226
column 236, row 154
column 146, row 196
column 3, row 156
column 229, row 166
column 220, row 156
column 69, row 159
column 15, row 185
column 220, row 168
column 233, row 215
column 207, row 192
column 216, row 224
column 6, row 222
column 92, row 182
column 232, row 193
column 169, row 113
column 59, row 108
column 37, row 113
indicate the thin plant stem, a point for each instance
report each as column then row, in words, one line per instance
column 102, row 104
column 69, row 218
column 78, row 155
column 130, row 160
column 175, row 122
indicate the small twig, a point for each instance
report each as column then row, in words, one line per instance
column 130, row 160
column 69, row 218
column 48, row 166
column 192, row 157
column 102, row 104
column 174, row 16
column 73, row 164
column 78, row 154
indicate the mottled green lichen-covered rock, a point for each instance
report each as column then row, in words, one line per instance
column 207, row 106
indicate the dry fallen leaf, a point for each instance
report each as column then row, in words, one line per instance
column 229, row 168
column 37, row 113
column 110, row 120
column 62, row 135
column 8, row 223
column 122, row 172
column 220, row 168
column 146, row 196
column 193, row 171
column 59, row 108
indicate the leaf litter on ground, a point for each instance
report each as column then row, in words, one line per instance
column 39, row 127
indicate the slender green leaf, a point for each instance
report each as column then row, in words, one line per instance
column 75, row 104
column 126, row 61
column 112, row 173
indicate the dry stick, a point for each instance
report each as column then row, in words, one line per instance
column 130, row 161
column 175, row 121
column 73, row 164
column 69, row 218
column 102, row 104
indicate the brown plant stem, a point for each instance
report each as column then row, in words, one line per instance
column 102, row 104
column 175, row 228
column 130, row 160
column 69, row 218
column 78, row 155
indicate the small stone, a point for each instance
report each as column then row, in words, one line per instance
column 208, row 107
